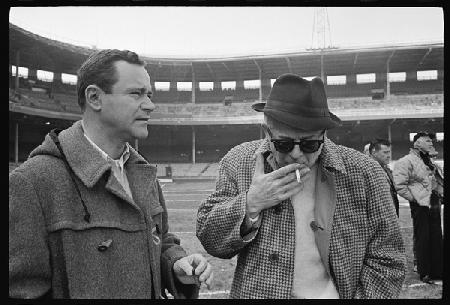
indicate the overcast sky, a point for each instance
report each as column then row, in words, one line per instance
column 227, row 31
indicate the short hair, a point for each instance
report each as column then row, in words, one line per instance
column 431, row 135
column 376, row 144
column 99, row 69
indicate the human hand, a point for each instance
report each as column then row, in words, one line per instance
column 267, row 190
column 193, row 269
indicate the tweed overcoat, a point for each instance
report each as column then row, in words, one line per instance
column 359, row 239
column 54, row 252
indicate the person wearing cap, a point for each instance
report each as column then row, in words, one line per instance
column 418, row 180
column 87, row 216
column 305, row 217
column 380, row 150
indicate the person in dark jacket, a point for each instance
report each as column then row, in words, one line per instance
column 87, row 217
column 380, row 150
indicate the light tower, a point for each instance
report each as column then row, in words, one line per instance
column 321, row 35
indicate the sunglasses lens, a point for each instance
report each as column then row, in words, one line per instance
column 283, row 146
column 310, row 146
column 307, row 146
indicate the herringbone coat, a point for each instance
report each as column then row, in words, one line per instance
column 361, row 244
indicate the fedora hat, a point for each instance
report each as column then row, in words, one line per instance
column 299, row 103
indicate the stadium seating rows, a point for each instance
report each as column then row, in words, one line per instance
column 68, row 103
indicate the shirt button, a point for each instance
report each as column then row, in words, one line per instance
column 278, row 209
column 274, row 257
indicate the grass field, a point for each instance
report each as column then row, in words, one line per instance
column 183, row 199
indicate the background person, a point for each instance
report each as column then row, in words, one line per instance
column 87, row 217
column 380, row 150
column 334, row 234
column 417, row 180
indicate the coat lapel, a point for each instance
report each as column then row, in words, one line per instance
column 141, row 177
column 89, row 165
column 114, row 186
column 323, row 211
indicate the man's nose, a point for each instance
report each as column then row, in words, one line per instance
column 148, row 105
column 296, row 152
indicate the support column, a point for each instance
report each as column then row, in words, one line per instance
column 388, row 83
column 390, row 139
column 194, row 85
column 16, row 144
column 57, row 77
column 322, row 73
column 217, row 85
column 411, row 76
column 193, row 144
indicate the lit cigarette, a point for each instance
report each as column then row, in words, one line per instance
column 297, row 173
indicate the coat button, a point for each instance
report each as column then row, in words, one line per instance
column 104, row 245
column 278, row 209
column 274, row 257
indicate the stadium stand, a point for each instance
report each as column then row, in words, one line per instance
column 222, row 119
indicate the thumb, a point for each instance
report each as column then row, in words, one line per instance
column 259, row 165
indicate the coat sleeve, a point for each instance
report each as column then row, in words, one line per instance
column 171, row 251
column 29, row 258
column 220, row 218
column 401, row 173
column 384, row 265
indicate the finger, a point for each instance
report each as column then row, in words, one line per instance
column 185, row 266
column 209, row 280
column 201, row 265
column 294, row 189
column 283, row 171
column 206, row 273
column 259, row 165
column 287, row 179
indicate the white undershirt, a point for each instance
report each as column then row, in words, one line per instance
column 311, row 280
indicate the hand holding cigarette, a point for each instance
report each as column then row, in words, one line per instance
column 269, row 189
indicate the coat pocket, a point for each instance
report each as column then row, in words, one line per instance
column 100, row 259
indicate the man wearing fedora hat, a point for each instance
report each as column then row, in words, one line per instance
column 307, row 218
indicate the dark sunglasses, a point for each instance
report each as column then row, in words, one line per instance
column 287, row 145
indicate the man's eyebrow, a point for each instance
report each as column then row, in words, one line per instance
column 142, row 90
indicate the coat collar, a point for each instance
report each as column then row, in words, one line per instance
column 330, row 158
column 87, row 162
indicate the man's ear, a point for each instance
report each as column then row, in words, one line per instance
column 93, row 97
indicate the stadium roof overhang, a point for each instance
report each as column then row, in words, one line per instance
column 39, row 52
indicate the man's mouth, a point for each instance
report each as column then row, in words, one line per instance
column 143, row 119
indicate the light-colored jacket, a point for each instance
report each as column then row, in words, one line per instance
column 413, row 179
column 54, row 252
column 359, row 238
